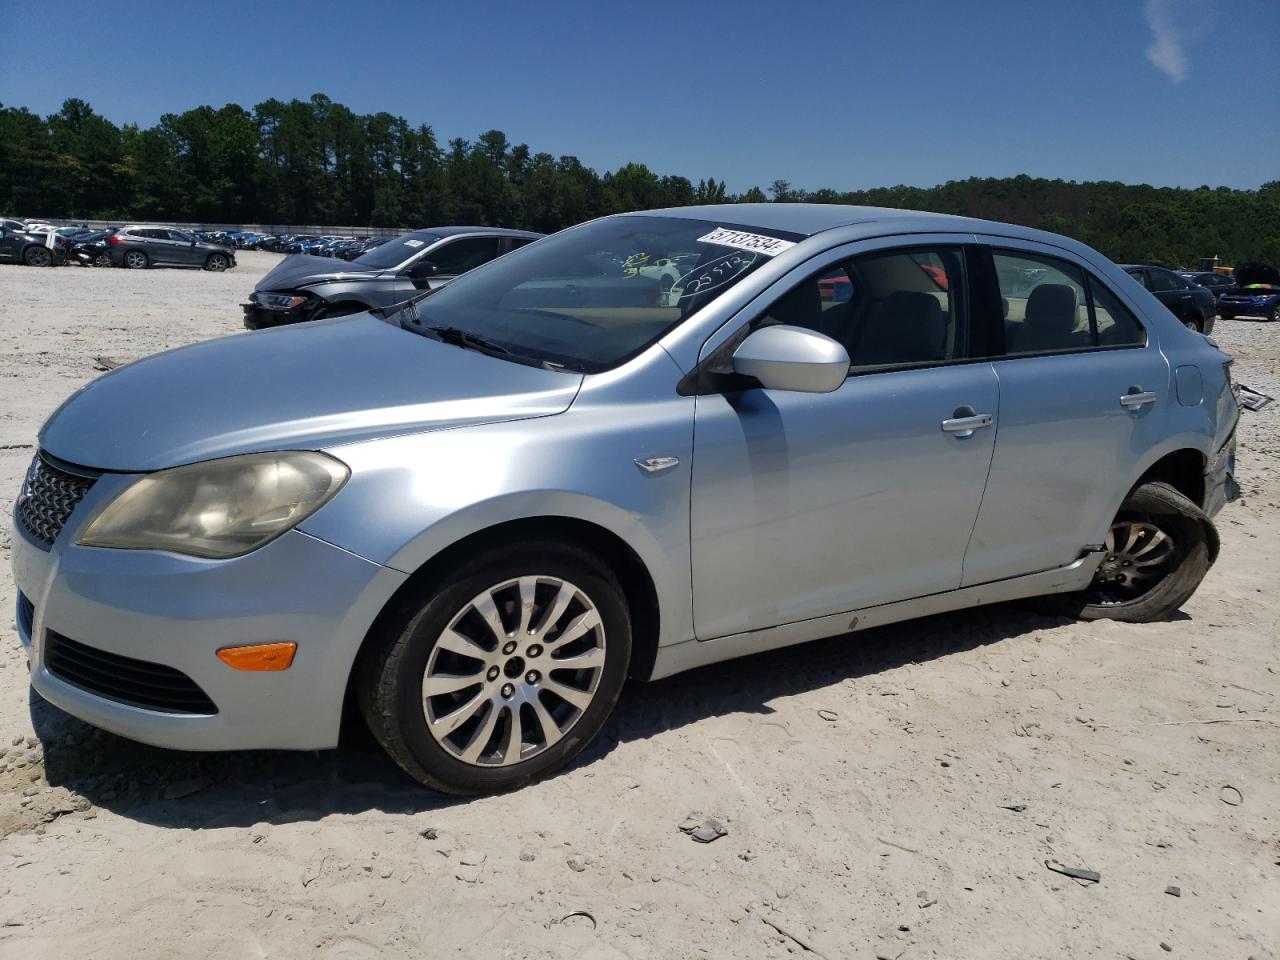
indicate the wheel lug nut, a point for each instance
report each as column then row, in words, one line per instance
column 535, row 651
column 493, row 673
column 532, row 677
column 508, row 690
column 509, row 647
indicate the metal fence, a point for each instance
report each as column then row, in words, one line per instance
column 267, row 228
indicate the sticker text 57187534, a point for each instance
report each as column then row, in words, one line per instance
column 755, row 242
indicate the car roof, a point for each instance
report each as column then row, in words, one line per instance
column 496, row 231
column 808, row 219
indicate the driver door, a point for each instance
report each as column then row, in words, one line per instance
column 451, row 258
column 805, row 505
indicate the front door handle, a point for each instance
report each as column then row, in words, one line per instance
column 964, row 426
column 1138, row 399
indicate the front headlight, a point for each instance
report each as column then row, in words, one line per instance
column 279, row 301
column 220, row 508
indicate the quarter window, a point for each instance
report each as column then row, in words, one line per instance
column 890, row 309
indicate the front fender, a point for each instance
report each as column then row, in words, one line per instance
column 411, row 497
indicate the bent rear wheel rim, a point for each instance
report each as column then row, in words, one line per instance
column 1140, row 554
column 514, row 671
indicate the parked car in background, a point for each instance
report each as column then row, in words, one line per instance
column 310, row 288
column 20, row 245
column 1189, row 302
column 90, row 249
column 138, row 246
column 1216, row 283
column 475, row 517
column 1258, row 293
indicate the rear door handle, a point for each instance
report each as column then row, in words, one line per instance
column 965, row 426
column 1139, row 399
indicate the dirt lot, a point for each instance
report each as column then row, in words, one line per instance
column 893, row 794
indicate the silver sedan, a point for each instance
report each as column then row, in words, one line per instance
column 647, row 443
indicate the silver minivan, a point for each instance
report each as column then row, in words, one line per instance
column 477, row 515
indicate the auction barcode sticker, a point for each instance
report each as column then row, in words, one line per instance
column 755, row 242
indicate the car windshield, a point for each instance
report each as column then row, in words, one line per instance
column 592, row 297
column 395, row 252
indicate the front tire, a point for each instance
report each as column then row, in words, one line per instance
column 217, row 262
column 502, row 672
column 102, row 260
column 1159, row 548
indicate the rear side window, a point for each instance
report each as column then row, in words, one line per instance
column 1051, row 306
column 1163, row 281
column 1046, row 308
column 891, row 309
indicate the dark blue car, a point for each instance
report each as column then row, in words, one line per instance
column 1258, row 296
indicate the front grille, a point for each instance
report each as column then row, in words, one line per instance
column 138, row 683
column 49, row 494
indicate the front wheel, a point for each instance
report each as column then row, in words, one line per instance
column 102, row 260
column 1158, row 549
column 217, row 262
column 503, row 673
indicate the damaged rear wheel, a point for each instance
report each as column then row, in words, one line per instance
column 1158, row 549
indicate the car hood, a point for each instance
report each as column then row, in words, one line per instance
column 1251, row 273
column 302, row 269
column 295, row 387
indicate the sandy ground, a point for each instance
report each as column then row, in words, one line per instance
column 893, row 794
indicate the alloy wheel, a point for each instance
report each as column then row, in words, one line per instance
column 135, row 260
column 217, row 262
column 39, row 257
column 1139, row 554
column 514, row 671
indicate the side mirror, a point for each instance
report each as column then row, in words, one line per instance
column 792, row 358
column 421, row 270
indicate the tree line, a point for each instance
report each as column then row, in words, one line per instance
column 316, row 161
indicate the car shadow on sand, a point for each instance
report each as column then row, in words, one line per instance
column 169, row 788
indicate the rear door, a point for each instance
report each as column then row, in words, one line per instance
column 1082, row 388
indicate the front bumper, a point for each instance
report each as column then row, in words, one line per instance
column 177, row 612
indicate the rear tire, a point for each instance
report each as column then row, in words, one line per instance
column 37, row 257
column 136, row 260
column 1160, row 546
column 497, row 722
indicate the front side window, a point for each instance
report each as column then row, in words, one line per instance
column 889, row 309
column 459, row 256
column 1163, row 281
column 591, row 297
column 180, row 236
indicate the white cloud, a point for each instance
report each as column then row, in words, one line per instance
column 1166, row 43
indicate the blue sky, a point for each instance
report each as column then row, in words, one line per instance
column 846, row 95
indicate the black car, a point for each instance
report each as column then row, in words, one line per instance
column 1215, row 283
column 18, row 245
column 140, row 246
column 90, row 249
column 305, row 287
column 1189, row 302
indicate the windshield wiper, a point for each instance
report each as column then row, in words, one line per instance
column 467, row 340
